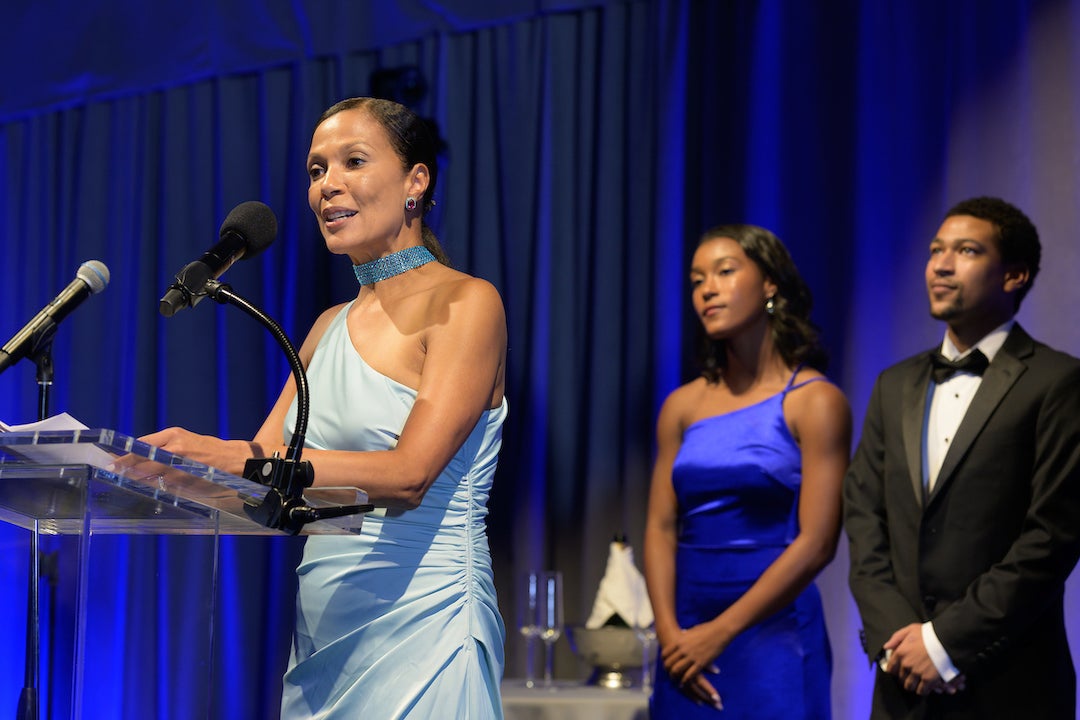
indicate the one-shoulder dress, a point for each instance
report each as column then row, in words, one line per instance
column 400, row 621
column 737, row 478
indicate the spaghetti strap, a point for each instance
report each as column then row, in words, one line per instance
column 792, row 385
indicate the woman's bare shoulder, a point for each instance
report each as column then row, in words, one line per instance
column 817, row 401
column 318, row 329
column 683, row 401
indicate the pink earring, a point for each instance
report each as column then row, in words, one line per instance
column 410, row 203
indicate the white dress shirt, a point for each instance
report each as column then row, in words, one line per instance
column 948, row 406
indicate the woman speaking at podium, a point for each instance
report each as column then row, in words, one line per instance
column 406, row 404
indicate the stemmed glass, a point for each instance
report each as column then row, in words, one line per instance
column 551, row 619
column 645, row 631
column 541, row 616
column 646, row 634
column 528, row 621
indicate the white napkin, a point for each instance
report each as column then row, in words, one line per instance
column 622, row 591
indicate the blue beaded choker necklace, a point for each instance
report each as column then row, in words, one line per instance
column 393, row 264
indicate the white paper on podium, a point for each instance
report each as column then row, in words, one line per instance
column 87, row 453
column 63, row 421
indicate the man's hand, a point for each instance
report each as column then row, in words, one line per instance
column 910, row 663
column 952, row 687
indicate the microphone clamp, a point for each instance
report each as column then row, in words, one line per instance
column 283, row 507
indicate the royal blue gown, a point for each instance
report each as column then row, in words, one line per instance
column 737, row 478
column 400, row 621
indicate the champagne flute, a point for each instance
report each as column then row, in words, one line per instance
column 549, row 601
column 646, row 634
column 529, row 621
column 645, row 631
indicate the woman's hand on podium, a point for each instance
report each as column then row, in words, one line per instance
column 227, row 455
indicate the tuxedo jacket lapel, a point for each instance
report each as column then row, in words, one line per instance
column 914, row 413
column 1002, row 373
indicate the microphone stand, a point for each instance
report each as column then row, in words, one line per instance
column 29, row 702
column 45, row 371
column 283, row 507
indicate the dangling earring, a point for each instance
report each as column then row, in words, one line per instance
column 410, row 203
column 770, row 305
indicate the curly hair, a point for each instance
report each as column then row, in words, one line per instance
column 793, row 334
column 1017, row 238
column 411, row 137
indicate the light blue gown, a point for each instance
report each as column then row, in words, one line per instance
column 400, row 621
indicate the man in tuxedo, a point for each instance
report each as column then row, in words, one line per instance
column 962, row 503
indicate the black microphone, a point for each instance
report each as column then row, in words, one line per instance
column 248, row 230
column 90, row 279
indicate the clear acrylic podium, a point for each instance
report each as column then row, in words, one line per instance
column 91, row 494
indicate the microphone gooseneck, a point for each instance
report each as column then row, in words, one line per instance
column 224, row 293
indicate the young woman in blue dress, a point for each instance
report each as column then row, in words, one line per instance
column 744, row 508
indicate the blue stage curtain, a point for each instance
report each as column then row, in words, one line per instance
column 588, row 145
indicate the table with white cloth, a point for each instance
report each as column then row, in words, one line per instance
column 572, row 701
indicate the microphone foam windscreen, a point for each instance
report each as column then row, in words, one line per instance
column 252, row 220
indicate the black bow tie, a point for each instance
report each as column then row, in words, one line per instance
column 974, row 363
